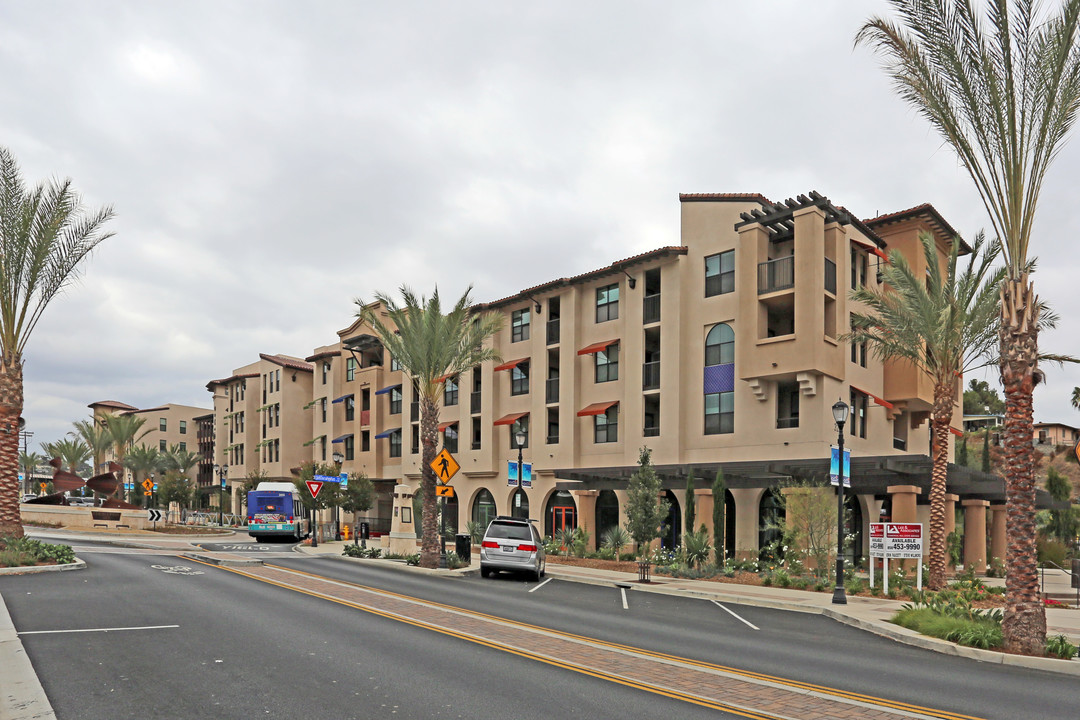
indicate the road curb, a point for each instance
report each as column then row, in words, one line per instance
column 30, row 569
column 223, row 561
column 22, row 697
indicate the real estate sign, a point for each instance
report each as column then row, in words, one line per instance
column 877, row 540
column 903, row 540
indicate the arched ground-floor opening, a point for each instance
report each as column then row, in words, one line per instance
column 560, row 513
column 671, row 534
column 607, row 514
column 483, row 508
column 519, row 504
column 770, row 513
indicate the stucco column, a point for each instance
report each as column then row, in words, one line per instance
column 402, row 529
column 703, row 501
column 903, row 502
column 975, row 535
column 586, row 517
column 950, row 512
column 997, row 533
column 747, row 501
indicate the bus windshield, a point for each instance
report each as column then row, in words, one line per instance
column 263, row 502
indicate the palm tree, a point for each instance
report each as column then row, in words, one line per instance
column 73, row 453
column 44, row 236
column 1075, row 400
column 96, row 437
column 29, row 462
column 944, row 325
column 430, row 346
column 1004, row 98
column 124, row 433
column 143, row 461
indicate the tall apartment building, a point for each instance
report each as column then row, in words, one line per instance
column 720, row 353
column 164, row 427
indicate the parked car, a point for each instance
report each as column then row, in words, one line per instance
column 512, row 544
column 77, row 501
column 28, row 498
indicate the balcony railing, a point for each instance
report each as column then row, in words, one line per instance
column 651, row 431
column 553, row 331
column 650, row 375
column 776, row 274
column 787, row 422
column 553, row 439
column 899, row 443
column 475, row 444
column 414, row 411
column 830, row 276
column 474, row 402
column 551, row 391
column 651, row 309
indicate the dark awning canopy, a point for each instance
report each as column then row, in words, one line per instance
column 869, row 475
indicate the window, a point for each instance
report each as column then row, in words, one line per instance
column 350, row 369
column 277, row 451
column 395, row 444
column 450, row 391
column 450, row 438
column 720, row 273
column 719, row 413
column 365, row 441
column 183, row 446
column 162, row 424
column 323, row 404
column 395, row 403
column 720, row 345
column 519, row 325
column 858, row 269
column 183, row 427
column 519, row 379
column 277, row 382
column 857, row 420
column 394, row 364
column 322, row 449
column 161, row 446
column 553, row 426
column 325, row 370
column 607, row 303
column 277, row 414
column 350, row 448
column 858, row 353
column 414, row 446
column 607, row 364
column 522, row 424
column 606, row 425
column 787, row 404
column 476, row 433
column 350, row 408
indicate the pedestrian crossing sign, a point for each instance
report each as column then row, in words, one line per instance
column 445, row 466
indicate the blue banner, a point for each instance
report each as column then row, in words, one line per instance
column 834, row 467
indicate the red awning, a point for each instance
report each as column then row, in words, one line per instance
column 597, row 347
column 597, row 408
column 511, row 364
column 879, row 401
column 956, row 432
column 510, row 419
column 444, row 425
column 880, row 253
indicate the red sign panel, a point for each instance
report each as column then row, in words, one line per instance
column 314, row 486
column 903, row 530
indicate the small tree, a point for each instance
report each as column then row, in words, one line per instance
column 358, row 497
column 808, row 526
column 719, row 494
column 1063, row 523
column 691, row 510
column 644, row 509
column 986, row 451
column 962, row 451
column 174, row 487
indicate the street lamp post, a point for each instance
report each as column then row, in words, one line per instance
column 338, row 459
column 153, row 489
column 840, row 415
column 222, row 473
column 520, row 436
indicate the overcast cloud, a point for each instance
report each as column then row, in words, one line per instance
column 271, row 161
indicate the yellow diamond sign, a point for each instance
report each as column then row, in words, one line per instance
column 445, row 466
column 147, row 485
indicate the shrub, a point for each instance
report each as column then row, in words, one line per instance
column 362, row 552
column 1051, row 551
column 1059, row 645
column 453, row 562
column 413, row 559
column 476, row 531
column 18, row 552
column 696, row 547
column 615, row 539
column 977, row 631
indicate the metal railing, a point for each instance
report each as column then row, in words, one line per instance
column 553, row 331
column 650, row 375
column 1074, row 578
column 778, row 274
column 474, row 402
column 551, row 390
column 650, row 308
column 787, row 422
column 210, row 517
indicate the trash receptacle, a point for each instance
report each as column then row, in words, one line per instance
column 463, row 547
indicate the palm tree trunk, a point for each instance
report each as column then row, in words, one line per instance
column 944, row 395
column 1024, row 625
column 429, row 542
column 11, row 405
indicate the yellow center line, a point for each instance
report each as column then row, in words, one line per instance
column 784, row 683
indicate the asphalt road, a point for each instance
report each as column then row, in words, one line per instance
column 242, row 648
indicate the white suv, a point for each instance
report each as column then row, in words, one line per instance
column 512, row 544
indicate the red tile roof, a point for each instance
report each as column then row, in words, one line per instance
column 323, row 354
column 112, row 404
column 944, row 230
column 714, row 197
column 288, row 362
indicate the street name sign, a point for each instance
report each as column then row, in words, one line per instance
column 327, row 478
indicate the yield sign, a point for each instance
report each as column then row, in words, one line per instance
column 314, row 486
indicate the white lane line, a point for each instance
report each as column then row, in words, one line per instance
column 115, row 629
column 752, row 625
column 624, row 605
column 541, row 585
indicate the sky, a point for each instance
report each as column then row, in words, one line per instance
column 270, row 162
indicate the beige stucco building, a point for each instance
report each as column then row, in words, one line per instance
column 165, row 427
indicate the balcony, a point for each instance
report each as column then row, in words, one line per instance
column 899, row 444
column 787, row 422
column 414, row 411
column 551, row 391
column 553, row 331
column 652, row 431
column 651, row 309
column 777, row 274
column 650, row 375
column 474, row 402
column 830, row 276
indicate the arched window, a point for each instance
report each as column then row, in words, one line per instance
column 719, row 382
column 483, row 509
column 607, row 513
column 519, row 504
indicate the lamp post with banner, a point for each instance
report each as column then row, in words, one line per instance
column 840, row 415
column 338, row 459
column 222, row 473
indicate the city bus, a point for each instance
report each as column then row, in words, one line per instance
column 274, row 510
